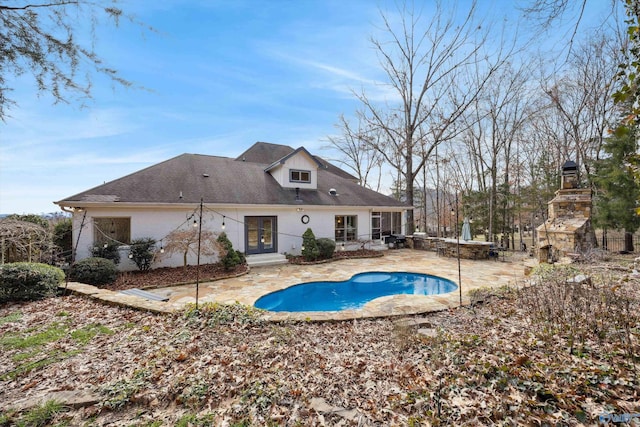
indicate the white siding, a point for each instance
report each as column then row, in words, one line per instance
column 158, row 223
column 298, row 162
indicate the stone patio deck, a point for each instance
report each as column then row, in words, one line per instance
column 260, row 281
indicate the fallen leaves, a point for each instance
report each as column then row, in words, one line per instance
column 483, row 365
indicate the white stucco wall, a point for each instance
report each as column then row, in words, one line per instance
column 159, row 222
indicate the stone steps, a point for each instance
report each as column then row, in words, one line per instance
column 263, row 260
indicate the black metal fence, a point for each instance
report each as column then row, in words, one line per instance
column 615, row 243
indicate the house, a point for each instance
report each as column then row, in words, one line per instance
column 264, row 200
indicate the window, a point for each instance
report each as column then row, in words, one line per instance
column 376, row 223
column 112, row 230
column 346, row 228
column 385, row 224
column 299, row 176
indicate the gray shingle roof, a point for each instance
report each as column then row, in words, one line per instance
column 182, row 180
column 265, row 152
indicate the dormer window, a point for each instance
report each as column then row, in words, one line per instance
column 299, row 176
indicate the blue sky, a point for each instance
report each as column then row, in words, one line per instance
column 216, row 77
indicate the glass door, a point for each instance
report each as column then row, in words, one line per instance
column 260, row 234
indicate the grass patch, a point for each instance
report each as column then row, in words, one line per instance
column 10, row 318
column 53, row 333
column 85, row 334
column 19, row 357
column 41, row 415
column 54, row 357
column 192, row 420
column 30, row 343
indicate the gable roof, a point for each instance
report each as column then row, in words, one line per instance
column 293, row 153
column 221, row 180
column 268, row 153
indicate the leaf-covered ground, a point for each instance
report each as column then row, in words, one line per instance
column 493, row 363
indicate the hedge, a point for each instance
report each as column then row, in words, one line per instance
column 28, row 281
column 94, row 271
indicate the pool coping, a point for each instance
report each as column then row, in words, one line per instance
column 259, row 281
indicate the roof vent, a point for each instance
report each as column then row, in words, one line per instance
column 206, row 175
column 333, row 191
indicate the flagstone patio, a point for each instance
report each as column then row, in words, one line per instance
column 260, row 281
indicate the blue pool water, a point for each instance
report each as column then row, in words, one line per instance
column 353, row 293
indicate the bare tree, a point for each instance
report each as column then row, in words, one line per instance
column 581, row 100
column 185, row 242
column 358, row 156
column 495, row 122
column 435, row 71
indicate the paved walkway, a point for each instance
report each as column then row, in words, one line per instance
column 260, row 281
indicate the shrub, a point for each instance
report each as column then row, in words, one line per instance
column 310, row 251
column 231, row 257
column 563, row 303
column 107, row 251
column 216, row 314
column 94, row 271
column 242, row 257
column 28, row 281
column 141, row 252
column 326, row 247
column 62, row 237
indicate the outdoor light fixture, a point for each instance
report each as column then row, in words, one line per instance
column 195, row 223
column 161, row 250
column 130, row 256
column 105, row 245
column 223, row 226
column 261, row 239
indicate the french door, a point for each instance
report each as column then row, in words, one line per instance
column 260, row 234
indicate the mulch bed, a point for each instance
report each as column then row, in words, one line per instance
column 338, row 255
column 171, row 276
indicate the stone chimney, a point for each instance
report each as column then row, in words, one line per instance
column 567, row 229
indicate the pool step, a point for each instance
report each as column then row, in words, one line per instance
column 262, row 260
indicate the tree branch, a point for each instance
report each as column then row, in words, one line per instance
column 33, row 6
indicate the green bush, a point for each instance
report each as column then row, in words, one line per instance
column 62, row 237
column 28, row 281
column 141, row 252
column 310, row 250
column 94, row 271
column 242, row 257
column 232, row 257
column 107, row 251
column 326, row 247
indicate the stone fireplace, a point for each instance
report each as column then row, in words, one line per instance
column 567, row 229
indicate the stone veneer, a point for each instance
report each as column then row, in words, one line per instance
column 568, row 228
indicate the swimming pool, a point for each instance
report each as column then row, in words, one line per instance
column 353, row 293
